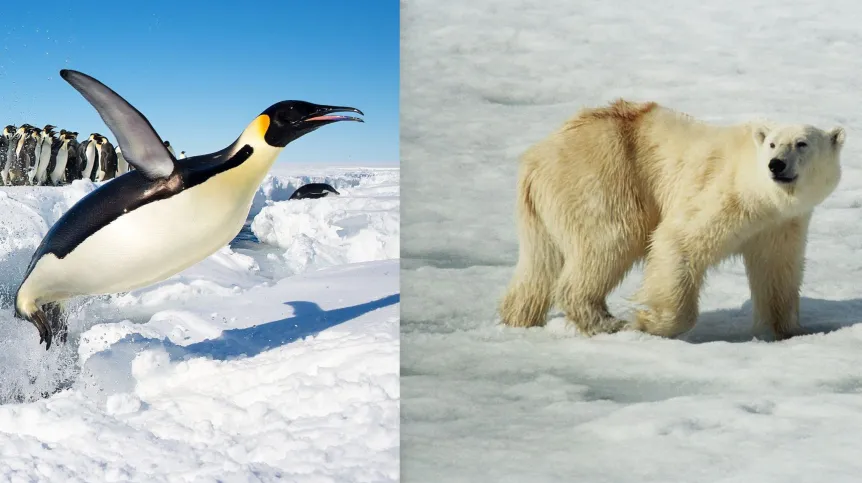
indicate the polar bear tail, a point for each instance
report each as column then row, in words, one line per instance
column 530, row 291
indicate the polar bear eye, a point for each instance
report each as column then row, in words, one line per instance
column 801, row 145
column 772, row 145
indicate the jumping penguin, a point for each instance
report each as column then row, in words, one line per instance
column 161, row 218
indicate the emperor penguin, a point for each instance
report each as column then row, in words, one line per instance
column 73, row 164
column 11, row 150
column 5, row 139
column 44, row 155
column 161, row 218
column 107, row 159
column 59, row 159
column 21, row 159
column 87, row 154
column 312, row 191
column 36, row 133
column 182, row 155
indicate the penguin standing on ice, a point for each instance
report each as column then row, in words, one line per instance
column 12, row 154
column 44, row 155
column 60, row 159
column 52, row 159
column 161, row 218
column 312, row 191
column 73, row 163
column 107, row 159
column 5, row 139
column 36, row 133
column 87, row 154
column 24, row 150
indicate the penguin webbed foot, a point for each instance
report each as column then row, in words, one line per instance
column 49, row 323
column 40, row 321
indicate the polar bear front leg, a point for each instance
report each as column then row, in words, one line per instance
column 672, row 280
column 774, row 261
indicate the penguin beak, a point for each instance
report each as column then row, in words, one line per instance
column 323, row 115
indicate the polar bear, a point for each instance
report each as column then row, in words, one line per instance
column 637, row 181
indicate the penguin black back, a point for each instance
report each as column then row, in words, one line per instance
column 313, row 191
column 127, row 193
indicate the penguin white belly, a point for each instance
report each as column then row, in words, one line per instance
column 34, row 168
column 90, row 154
column 152, row 242
column 59, row 173
column 100, row 173
column 44, row 160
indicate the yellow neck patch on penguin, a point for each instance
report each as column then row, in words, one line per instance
column 259, row 125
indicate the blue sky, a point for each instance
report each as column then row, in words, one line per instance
column 201, row 71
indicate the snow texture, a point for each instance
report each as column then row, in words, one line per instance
column 242, row 368
column 483, row 80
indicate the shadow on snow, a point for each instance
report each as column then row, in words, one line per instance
column 308, row 320
column 816, row 316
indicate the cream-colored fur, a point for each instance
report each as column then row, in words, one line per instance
column 634, row 181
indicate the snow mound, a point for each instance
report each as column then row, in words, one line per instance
column 330, row 231
column 279, row 187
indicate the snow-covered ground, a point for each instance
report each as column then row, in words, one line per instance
column 275, row 359
column 483, row 80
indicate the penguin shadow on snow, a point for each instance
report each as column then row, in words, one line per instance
column 817, row 316
column 308, row 319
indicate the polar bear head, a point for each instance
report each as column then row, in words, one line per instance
column 800, row 160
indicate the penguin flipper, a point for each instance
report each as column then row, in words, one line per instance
column 142, row 147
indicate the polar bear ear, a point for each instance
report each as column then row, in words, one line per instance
column 837, row 136
column 760, row 134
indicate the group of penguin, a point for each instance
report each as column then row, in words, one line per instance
column 40, row 157
column 30, row 156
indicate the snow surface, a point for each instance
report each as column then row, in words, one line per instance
column 245, row 367
column 483, row 80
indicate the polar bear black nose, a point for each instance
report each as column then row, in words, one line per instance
column 776, row 165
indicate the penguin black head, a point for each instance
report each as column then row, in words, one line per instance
column 290, row 120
